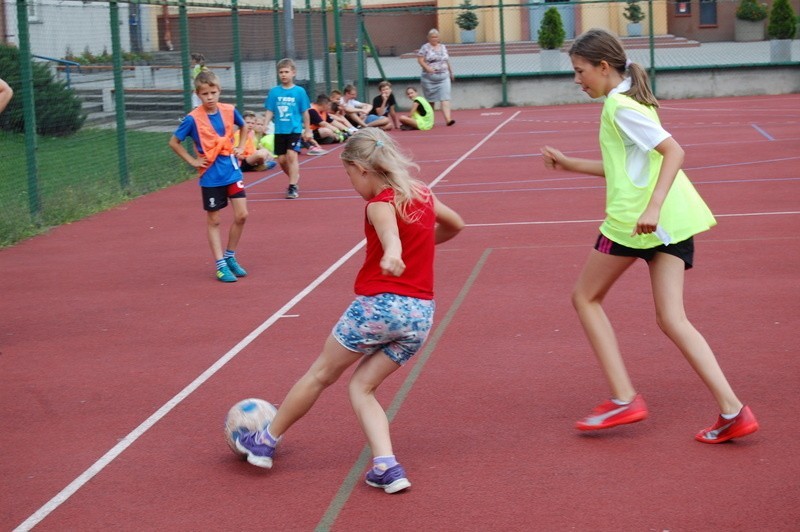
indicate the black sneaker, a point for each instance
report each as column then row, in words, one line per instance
column 292, row 192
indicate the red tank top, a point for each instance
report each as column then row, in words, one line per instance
column 418, row 239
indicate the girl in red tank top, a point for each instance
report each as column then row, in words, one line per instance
column 393, row 311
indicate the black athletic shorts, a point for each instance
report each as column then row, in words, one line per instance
column 683, row 250
column 216, row 198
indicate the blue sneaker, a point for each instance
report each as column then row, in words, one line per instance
column 259, row 452
column 391, row 481
column 271, row 165
column 235, row 268
column 225, row 275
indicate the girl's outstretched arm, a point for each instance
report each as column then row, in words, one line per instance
column 556, row 160
column 383, row 218
column 448, row 221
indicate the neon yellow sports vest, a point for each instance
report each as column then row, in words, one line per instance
column 268, row 142
column 424, row 122
column 683, row 214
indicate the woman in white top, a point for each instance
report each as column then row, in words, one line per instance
column 437, row 74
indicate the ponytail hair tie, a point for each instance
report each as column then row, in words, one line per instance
column 628, row 63
column 379, row 144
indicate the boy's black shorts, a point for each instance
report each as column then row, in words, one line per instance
column 285, row 142
column 216, row 198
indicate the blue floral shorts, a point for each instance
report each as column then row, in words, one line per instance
column 398, row 325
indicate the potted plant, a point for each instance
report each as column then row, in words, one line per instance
column 634, row 14
column 750, row 16
column 551, row 38
column 781, row 30
column 467, row 21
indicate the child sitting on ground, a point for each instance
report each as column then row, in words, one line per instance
column 254, row 158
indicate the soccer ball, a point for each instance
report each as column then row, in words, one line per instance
column 248, row 415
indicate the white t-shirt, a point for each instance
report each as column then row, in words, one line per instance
column 639, row 135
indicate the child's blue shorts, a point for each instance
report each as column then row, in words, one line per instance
column 398, row 325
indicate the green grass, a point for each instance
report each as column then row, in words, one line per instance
column 79, row 176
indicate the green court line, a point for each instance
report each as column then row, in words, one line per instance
column 356, row 472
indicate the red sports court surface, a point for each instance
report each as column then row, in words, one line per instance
column 120, row 354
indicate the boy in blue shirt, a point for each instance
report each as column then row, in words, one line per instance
column 287, row 106
column 211, row 126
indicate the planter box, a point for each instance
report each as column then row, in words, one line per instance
column 634, row 29
column 780, row 50
column 468, row 36
column 748, row 30
column 550, row 60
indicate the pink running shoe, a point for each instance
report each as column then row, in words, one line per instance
column 316, row 150
column 726, row 429
column 610, row 414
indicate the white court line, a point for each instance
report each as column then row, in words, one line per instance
column 555, row 222
column 165, row 409
column 764, row 133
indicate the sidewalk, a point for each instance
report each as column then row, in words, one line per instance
column 260, row 75
column 691, row 70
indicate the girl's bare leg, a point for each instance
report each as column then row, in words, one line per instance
column 666, row 278
column 326, row 370
column 369, row 374
column 600, row 273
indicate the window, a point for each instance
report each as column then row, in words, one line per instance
column 683, row 9
column 708, row 13
column 33, row 11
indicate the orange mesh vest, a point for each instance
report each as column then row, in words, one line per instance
column 322, row 114
column 212, row 144
column 249, row 144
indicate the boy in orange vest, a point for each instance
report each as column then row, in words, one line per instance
column 211, row 126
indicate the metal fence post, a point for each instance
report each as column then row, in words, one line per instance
column 503, row 76
column 119, row 95
column 652, row 46
column 28, row 110
column 312, row 75
column 183, row 23
column 325, row 52
column 276, row 31
column 360, row 49
column 337, row 36
column 237, row 55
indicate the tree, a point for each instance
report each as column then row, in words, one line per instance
column 751, row 10
column 782, row 24
column 467, row 20
column 633, row 12
column 551, row 32
column 58, row 110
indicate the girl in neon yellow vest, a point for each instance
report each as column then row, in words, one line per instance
column 421, row 112
column 652, row 212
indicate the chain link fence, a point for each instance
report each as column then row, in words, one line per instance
column 100, row 85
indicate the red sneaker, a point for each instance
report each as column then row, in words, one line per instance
column 610, row 414
column 726, row 429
